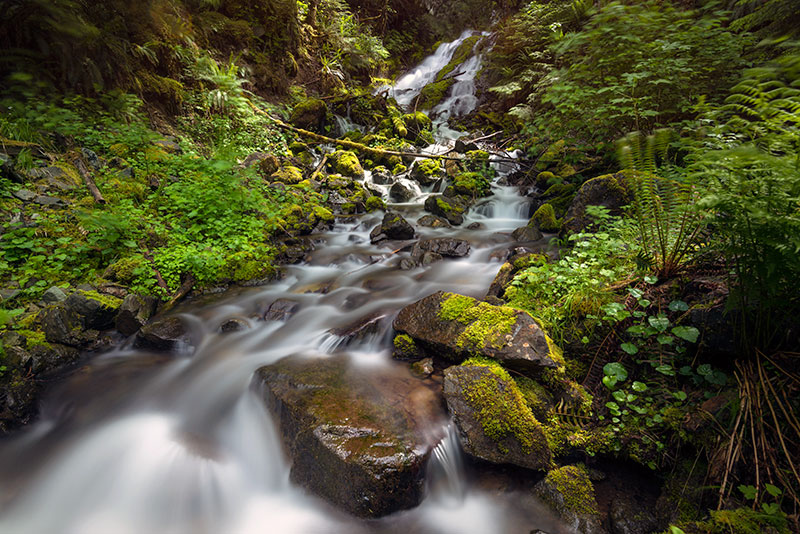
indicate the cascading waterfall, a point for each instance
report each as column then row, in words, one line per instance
column 182, row 444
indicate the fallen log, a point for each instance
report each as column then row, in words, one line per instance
column 87, row 179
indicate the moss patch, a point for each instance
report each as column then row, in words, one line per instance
column 500, row 407
column 288, row 175
column 572, row 481
column 404, row 343
column 545, row 219
column 486, row 325
column 433, row 93
column 107, row 301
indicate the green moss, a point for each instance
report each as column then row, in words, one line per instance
column 472, row 184
column 500, row 407
column 348, row 208
column 323, row 214
column 536, row 396
column 428, row 167
column 375, row 203
column 573, row 483
column 399, row 169
column 346, row 163
column 34, row 338
column 545, row 179
column 288, row 175
column 108, row 301
column 545, row 219
column 461, row 54
column 433, row 93
column 404, row 343
column 486, row 325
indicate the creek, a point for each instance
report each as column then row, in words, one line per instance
column 136, row 442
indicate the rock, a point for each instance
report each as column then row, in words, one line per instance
column 432, row 221
column 48, row 357
column 545, row 220
column 362, row 328
column 476, row 226
column 381, row 176
column 457, row 327
column 358, row 436
column 281, row 310
column 526, row 233
column 628, row 517
column 168, row 145
column 53, row 202
column 394, row 227
column 134, row 312
column 426, row 172
column 64, row 326
column 494, row 423
column 7, row 169
column 444, row 246
column 268, row 164
column 400, row 193
column 54, row 295
column 288, row 175
column 407, row 264
column 91, row 158
column 429, row 258
column 569, row 492
column 347, row 164
column 233, row 324
column 465, row 145
column 163, row 334
column 128, row 173
column 95, row 310
column 423, row 368
column 610, row 190
column 310, row 114
column 405, row 348
column 452, row 208
column 24, row 195
column 504, row 277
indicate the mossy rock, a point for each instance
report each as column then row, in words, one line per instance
column 457, row 327
column 552, row 156
column 434, row 93
column 545, row 219
column 375, row 203
column 569, row 492
column 472, row 184
column 450, row 208
column 288, row 175
column 426, row 171
column 310, row 114
column 612, row 191
column 461, row 54
column 347, row 164
column 494, row 422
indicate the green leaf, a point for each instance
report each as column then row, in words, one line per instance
column 704, row 370
column 639, row 386
column 666, row 370
column 665, row 339
column 630, row 348
column 652, row 280
column 773, row 490
column 609, row 382
column 678, row 306
column 619, row 395
column 680, row 395
column 615, row 369
column 687, row 333
column 660, row 323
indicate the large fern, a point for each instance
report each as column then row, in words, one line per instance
column 666, row 211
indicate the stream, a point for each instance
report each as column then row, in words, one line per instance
column 136, row 442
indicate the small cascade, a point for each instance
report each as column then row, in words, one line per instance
column 446, row 478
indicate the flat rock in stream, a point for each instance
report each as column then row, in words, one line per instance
column 457, row 327
column 163, row 334
column 358, row 436
column 444, row 246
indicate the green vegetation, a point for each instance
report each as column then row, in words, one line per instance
column 486, row 325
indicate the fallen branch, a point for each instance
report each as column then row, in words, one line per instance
column 87, row 179
column 184, row 290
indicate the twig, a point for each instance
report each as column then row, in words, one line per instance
column 87, row 179
column 184, row 290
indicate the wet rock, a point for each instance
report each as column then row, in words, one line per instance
column 444, row 246
column 429, row 258
column 91, row 158
column 493, row 421
column 54, row 295
column 281, row 310
column 400, row 193
column 163, row 334
column 504, row 277
column 526, row 233
column 432, row 221
column 24, row 195
column 362, row 328
column 310, row 114
column 423, row 367
column 359, row 437
column 610, row 190
column 134, row 312
column 569, row 492
column 381, row 176
column 64, row 326
column 457, row 327
column 95, row 310
column 48, row 357
column 465, row 145
column 233, row 324
column 451, row 208
column 628, row 517
column 426, row 172
column 407, row 264
column 394, row 227
column 475, row 226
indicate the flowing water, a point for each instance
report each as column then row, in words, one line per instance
column 136, row 442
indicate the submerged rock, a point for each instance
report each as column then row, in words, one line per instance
column 432, row 221
column 457, row 327
column 358, row 436
column 400, row 193
column 281, row 310
column 493, row 421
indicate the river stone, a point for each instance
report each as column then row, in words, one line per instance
column 163, row 334
column 504, row 277
column 95, row 314
column 526, row 233
column 627, row 517
column 467, row 390
column 382, row 176
column 134, row 313
column 451, row 208
column 400, row 193
column 362, row 328
column 394, row 227
column 51, row 356
column 432, row 221
column 497, row 332
column 358, row 436
column 281, row 310
column 54, row 295
column 569, row 492
column 444, row 246
column 65, row 326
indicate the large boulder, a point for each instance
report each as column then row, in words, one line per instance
column 163, row 334
column 494, row 422
column 310, row 114
column 444, row 246
column 569, row 492
column 457, row 327
column 611, row 190
column 450, row 208
column 97, row 311
column 358, row 436
column 134, row 313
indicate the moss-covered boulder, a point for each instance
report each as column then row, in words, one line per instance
column 288, row 175
column 426, row 171
column 494, row 422
column 450, row 208
column 458, row 327
column 472, row 184
column 310, row 114
column 358, row 436
column 434, row 93
column 347, row 164
column 544, row 218
column 432, row 221
column 610, row 190
column 569, row 492
column 393, row 226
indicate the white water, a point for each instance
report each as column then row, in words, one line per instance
column 140, row 443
